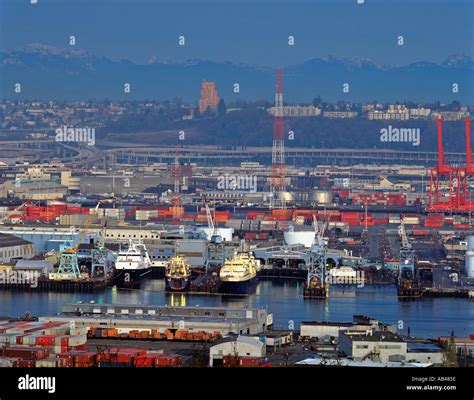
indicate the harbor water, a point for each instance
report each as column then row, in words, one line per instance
column 427, row 318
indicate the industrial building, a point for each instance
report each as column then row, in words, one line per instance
column 44, row 189
column 45, row 238
column 42, row 267
column 383, row 346
column 14, row 248
column 120, row 184
column 126, row 317
column 238, row 346
column 328, row 329
column 324, row 330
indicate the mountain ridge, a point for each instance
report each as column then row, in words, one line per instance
column 45, row 73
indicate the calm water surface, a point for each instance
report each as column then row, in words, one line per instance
column 426, row 318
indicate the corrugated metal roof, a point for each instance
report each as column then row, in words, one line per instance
column 10, row 240
column 33, row 264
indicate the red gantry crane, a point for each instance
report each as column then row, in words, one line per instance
column 448, row 185
column 469, row 170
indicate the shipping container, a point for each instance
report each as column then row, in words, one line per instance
column 29, row 352
column 51, row 363
column 168, row 361
column 25, row 363
column 8, row 362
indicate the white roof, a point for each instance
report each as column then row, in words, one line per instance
column 344, row 362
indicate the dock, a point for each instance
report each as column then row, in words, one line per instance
column 319, row 292
column 46, row 285
column 208, row 282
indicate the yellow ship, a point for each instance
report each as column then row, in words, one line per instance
column 239, row 274
column 177, row 273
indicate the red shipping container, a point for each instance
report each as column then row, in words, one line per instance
column 46, row 340
column 29, row 352
column 250, row 361
column 168, row 361
column 144, row 361
column 81, row 347
column 25, row 363
column 122, row 355
column 19, row 339
column 87, row 357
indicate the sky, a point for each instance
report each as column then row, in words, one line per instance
column 244, row 31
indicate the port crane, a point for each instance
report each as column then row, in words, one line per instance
column 68, row 265
column 216, row 252
column 216, row 235
column 449, row 186
column 316, row 278
column 406, row 271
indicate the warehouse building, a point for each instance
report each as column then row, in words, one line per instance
column 47, row 238
column 325, row 330
column 239, row 346
column 14, row 248
column 383, row 346
column 127, row 317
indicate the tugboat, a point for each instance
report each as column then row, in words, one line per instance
column 239, row 275
column 177, row 274
column 132, row 265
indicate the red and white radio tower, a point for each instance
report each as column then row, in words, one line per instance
column 277, row 180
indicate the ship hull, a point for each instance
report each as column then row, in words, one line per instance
column 131, row 277
column 177, row 285
column 241, row 287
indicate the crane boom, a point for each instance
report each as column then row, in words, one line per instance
column 403, row 235
column 84, row 230
column 210, row 219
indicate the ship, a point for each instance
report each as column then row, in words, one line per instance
column 177, row 273
column 239, row 275
column 133, row 265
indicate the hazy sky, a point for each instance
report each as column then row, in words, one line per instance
column 254, row 32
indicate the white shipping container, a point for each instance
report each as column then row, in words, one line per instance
column 77, row 340
column 8, row 338
column 58, row 340
column 8, row 362
column 411, row 220
column 57, row 349
column 114, row 212
column 79, row 331
column 57, row 330
column 47, row 363
column 29, row 340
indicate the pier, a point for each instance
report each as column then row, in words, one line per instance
column 45, row 285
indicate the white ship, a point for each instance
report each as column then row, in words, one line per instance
column 132, row 265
